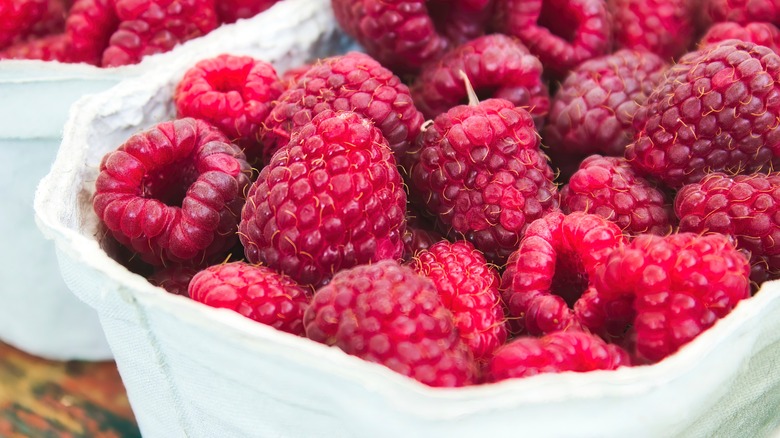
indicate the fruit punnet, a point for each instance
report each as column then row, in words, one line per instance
column 545, row 278
column 234, row 93
column 743, row 206
column 257, row 292
column 173, row 193
column 716, row 110
column 611, row 188
column 388, row 314
column 331, row 199
column 468, row 287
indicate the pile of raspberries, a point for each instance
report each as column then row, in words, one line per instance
column 111, row 33
column 490, row 190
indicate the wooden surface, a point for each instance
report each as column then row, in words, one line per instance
column 39, row 398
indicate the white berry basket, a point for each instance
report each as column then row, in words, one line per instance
column 38, row 313
column 195, row 371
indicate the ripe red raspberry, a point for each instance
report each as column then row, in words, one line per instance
column 496, row 65
column 234, row 93
column 663, row 27
column 148, row 27
column 468, row 287
column 744, row 206
column 48, row 48
column 593, row 110
column 257, row 292
column 351, row 82
column 89, row 26
column 173, row 193
column 230, row 11
column 405, row 34
column 53, row 20
column 610, row 188
column 681, row 284
column 555, row 353
column 17, row 18
column 480, row 171
column 551, row 269
column 764, row 34
column 716, row 110
column 744, row 11
column 332, row 199
column 175, row 279
column 387, row 314
column 562, row 33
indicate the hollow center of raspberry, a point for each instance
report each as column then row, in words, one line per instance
column 558, row 19
column 169, row 185
column 225, row 81
column 570, row 279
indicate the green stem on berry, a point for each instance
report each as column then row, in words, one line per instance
column 473, row 99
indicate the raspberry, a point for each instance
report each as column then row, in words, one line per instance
column 764, row 34
column 387, row 314
column 17, row 18
column 404, row 35
column 234, row 93
column 593, row 110
column 419, row 235
column 230, row 11
column 175, row 279
column 555, row 353
column 148, row 27
column 497, row 66
column 49, row 48
column 610, row 188
column 551, row 269
column 744, row 11
column 743, row 206
column 332, row 199
column 256, row 292
column 89, row 26
column 173, row 193
column 468, row 287
column 681, row 285
column 562, row 33
column 53, row 20
column 663, row 27
column 716, row 110
column 352, row 82
column 480, row 171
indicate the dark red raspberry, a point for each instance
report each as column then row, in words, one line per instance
column 352, row 82
column 716, row 110
column 257, row 292
column 610, row 188
column 175, row 279
column 17, row 19
column 744, row 11
column 663, row 27
column 332, row 199
column 173, row 193
column 148, row 27
column 681, row 284
column 230, row 11
column 555, row 353
column 496, row 65
column 552, row 267
column 386, row 313
column 744, row 206
column 593, row 110
column 469, row 288
column 89, row 26
column 562, row 33
column 480, row 171
column 234, row 93
column 764, row 34
column 48, row 48
column 405, row 34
